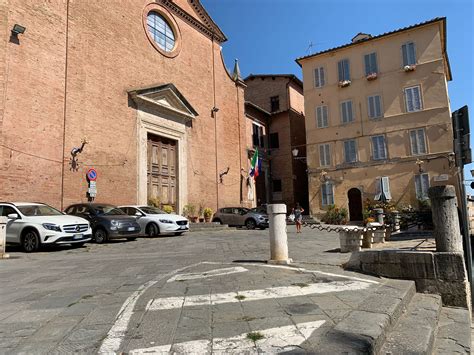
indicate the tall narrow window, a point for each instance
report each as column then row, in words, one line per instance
column 374, row 105
column 324, row 155
column 274, row 140
column 413, row 99
column 350, row 151
column 343, row 70
column 379, row 148
column 422, row 184
column 370, row 64
column 319, row 77
column 382, row 189
column 327, row 193
column 274, row 103
column 322, row 116
column 408, row 54
column 257, row 136
column 418, row 141
column 346, row 112
column 276, row 185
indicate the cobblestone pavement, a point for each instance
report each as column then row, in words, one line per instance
column 201, row 292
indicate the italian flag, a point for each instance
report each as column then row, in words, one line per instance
column 254, row 165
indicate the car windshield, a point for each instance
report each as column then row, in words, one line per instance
column 39, row 210
column 152, row 210
column 108, row 210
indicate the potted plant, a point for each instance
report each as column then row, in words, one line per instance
column 410, row 67
column 371, row 76
column 201, row 213
column 208, row 212
column 168, row 209
column 154, row 202
column 344, row 83
column 189, row 211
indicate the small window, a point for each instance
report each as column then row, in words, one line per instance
column 324, row 155
column 413, row 99
column 319, row 77
column 343, row 70
column 418, row 142
column 274, row 141
column 322, row 116
column 374, row 105
column 370, row 64
column 257, row 136
column 161, row 31
column 274, row 103
column 277, row 185
column 346, row 112
column 350, row 151
column 408, row 54
column 382, row 189
column 379, row 148
column 327, row 193
column 422, row 184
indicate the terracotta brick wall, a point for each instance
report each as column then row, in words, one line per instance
column 260, row 89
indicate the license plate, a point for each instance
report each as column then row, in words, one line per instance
column 77, row 236
column 182, row 227
column 131, row 229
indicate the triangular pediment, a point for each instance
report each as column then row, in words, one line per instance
column 165, row 97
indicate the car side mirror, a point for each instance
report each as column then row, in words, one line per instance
column 13, row 216
column 138, row 214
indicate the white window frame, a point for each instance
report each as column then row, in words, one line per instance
column 373, row 115
column 417, row 144
column 382, row 185
column 408, row 62
column 327, row 199
column 372, row 139
column 422, row 184
column 343, row 109
column 355, row 151
column 409, row 93
column 322, row 110
column 318, row 83
column 324, row 155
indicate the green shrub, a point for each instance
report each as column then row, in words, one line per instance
column 208, row 212
column 189, row 210
column 168, row 209
column 154, row 201
column 335, row 215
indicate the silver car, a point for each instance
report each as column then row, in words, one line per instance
column 154, row 221
column 240, row 216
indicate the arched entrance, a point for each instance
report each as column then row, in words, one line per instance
column 355, row 204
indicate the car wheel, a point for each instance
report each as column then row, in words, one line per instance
column 152, row 230
column 178, row 233
column 217, row 220
column 130, row 239
column 250, row 224
column 100, row 235
column 30, row 241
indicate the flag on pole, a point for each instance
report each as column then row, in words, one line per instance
column 254, row 165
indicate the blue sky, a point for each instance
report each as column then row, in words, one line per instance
column 267, row 35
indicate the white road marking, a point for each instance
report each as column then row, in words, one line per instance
column 114, row 338
column 207, row 274
column 284, row 338
column 254, row 295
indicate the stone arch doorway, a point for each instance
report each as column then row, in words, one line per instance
column 355, row 204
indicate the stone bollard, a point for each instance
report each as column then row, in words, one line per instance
column 396, row 221
column 378, row 233
column 278, row 236
column 379, row 215
column 350, row 238
column 445, row 218
column 3, row 237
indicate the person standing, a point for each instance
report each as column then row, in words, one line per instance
column 298, row 212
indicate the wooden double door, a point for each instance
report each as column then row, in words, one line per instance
column 162, row 170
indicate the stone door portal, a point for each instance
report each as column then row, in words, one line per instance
column 355, row 204
column 161, row 172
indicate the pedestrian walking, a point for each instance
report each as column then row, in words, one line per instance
column 298, row 212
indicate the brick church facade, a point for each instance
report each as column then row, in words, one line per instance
column 143, row 83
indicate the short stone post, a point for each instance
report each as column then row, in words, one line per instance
column 445, row 218
column 3, row 237
column 379, row 215
column 396, row 221
column 350, row 238
column 278, row 236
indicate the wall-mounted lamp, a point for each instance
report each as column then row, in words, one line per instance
column 294, row 152
column 18, row 30
column 214, row 110
column 420, row 165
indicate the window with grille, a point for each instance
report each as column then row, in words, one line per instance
column 160, row 31
column 408, row 54
column 319, row 77
column 374, row 105
column 327, row 193
column 370, row 61
column 350, row 151
column 346, row 112
column 322, row 116
column 418, row 142
column 379, row 149
column 324, row 155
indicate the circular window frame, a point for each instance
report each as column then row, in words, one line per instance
column 154, row 7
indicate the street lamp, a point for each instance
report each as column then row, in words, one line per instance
column 295, row 152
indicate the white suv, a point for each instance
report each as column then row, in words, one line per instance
column 34, row 224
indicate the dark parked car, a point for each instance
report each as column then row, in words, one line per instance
column 107, row 221
column 239, row 216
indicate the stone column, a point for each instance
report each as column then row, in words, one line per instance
column 445, row 218
column 278, row 236
column 396, row 221
column 379, row 215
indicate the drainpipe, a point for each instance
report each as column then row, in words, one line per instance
column 214, row 114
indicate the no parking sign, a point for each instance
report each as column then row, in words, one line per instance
column 91, row 178
column 92, row 175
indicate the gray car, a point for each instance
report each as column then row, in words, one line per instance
column 240, row 216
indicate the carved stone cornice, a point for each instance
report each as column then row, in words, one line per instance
column 211, row 31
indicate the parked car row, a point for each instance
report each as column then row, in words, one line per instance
column 32, row 225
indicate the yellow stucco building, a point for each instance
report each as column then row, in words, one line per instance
column 378, row 119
